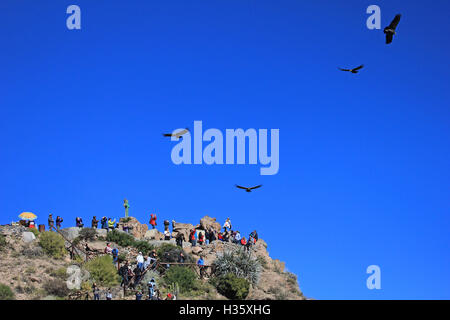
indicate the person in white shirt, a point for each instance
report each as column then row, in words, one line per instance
column 140, row 261
column 166, row 235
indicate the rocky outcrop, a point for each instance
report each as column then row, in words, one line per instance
column 207, row 222
column 153, row 234
column 137, row 229
column 183, row 228
column 71, row 233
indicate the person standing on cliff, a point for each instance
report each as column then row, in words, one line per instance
column 153, row 220
column 59, row 220
column 192, row 239
column 94, row 222
column 227, row 225
column 50, row 222
column 126, row 206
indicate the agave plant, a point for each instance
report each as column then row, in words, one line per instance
column 238, row 262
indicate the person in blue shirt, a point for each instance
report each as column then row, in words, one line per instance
column 115, row 254
column 201, row 266
column 139, row 295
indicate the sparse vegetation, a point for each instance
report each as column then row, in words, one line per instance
column 87, row 234
column 6, row 293
column 60, row 273
column 33, row 252
column 102, row 270
column 56, row 287
column 3, row 242
column 52, row 244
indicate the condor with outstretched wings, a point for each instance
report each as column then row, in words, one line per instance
column 390, row 29
column 178, row 134
column 249, row 189
column 354, row 70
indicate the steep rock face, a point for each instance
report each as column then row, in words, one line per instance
column 275, row 282
column 137, row 229
column 36, row 268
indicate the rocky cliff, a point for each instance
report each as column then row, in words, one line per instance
column 28, row 270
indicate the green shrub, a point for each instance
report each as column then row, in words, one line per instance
column 232, row 287
column 143, row 246
column 103, row 271
column 170, row 253
column 6, row 293
column 238, row 262
column 53, row 244
column 60, row 273
column 56, row 287
column 87, row 234
column 121, row 238
column 184, row 277
column 3, row 242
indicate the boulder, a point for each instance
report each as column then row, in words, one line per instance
column 101, row 232
column 196, row 250
column 28, row 237
column 137, row 229
column 208, row 222
column 183, row 228
column 154, row 234
column 70, row 233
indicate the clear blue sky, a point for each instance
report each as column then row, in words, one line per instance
column 364, row 159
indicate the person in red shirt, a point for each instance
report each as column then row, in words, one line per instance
column 192, row 237
column 243, row 241
column 153, row 220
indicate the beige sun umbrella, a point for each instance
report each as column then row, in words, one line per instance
column 27, row 216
